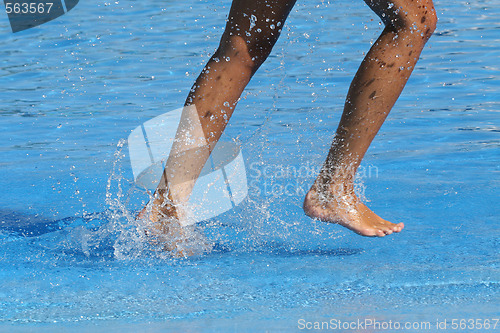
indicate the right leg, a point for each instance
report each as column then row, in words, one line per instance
column 252, row 29
column 375, row 88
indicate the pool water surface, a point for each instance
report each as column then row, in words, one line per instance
column 71, row 258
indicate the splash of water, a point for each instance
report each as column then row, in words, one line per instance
column 137, row 237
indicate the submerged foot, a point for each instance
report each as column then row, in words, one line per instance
column 163, row 228
column 348, row 211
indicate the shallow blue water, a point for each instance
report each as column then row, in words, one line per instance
column 70, row 257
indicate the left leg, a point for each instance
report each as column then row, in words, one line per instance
column 252, row 29
column 375, row 88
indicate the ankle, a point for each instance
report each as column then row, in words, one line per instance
column 336, row 187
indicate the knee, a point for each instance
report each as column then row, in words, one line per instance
column 261, row 45
column 415, row 20
column 234, row 49
column 420, row 24
column 425, row 23
column 247, row 52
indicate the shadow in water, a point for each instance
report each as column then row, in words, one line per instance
column 27, row 225
column 284, row 250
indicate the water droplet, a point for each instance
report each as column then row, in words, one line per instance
column 253, row 19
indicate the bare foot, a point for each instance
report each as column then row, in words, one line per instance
column 157, row 210
column 163, row 227
column 348, row 211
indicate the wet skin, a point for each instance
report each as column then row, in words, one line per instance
column 252, row 29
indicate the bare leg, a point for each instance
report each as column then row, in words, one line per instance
column 252, row 30
column 373, row 91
